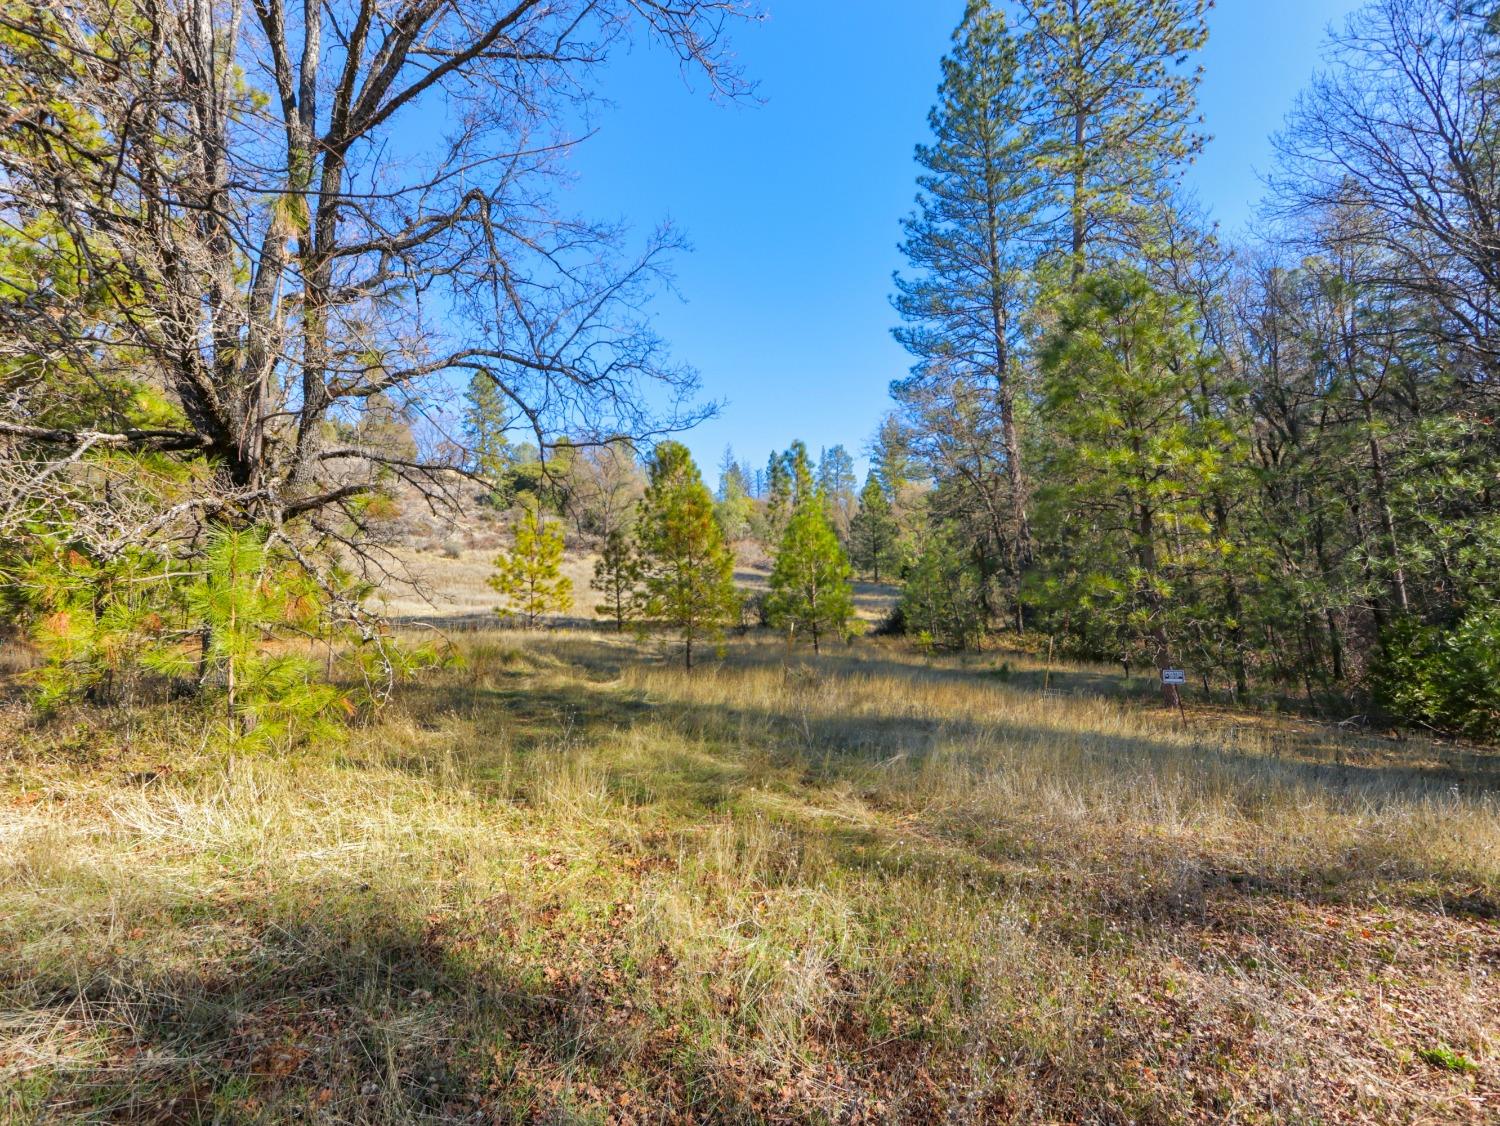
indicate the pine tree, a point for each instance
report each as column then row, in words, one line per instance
column 528, row 577
column 1114, row 115
column 810, row 592
column 940, row 603
column 873, row 533
column 971, row 246
column 890, row 457
column 799, row 469
column 488, row 451
column 617, row 578
column 104, row 626
column 687, row 571
column 1133, row 460
column 731, row 475
column 736, row 509
column 836, row 479
column 245, row 595
column 778, row 491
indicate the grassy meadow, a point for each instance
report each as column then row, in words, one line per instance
column 568, row 882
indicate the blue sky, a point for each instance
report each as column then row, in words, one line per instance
column 793, row 204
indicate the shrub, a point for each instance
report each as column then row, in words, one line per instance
column 241, row 625
column 1448, row 679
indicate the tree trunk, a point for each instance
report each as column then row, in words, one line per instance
column 1146, row 557
column 1080, row 180
column 1325, row 571
column 1387, row 519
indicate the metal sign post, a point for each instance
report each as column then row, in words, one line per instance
column 1176, row 679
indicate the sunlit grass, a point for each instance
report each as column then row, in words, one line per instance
column 570, row 882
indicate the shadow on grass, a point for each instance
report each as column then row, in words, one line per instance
column 590, row 702
column 341, row 1003
column 337, row 1007
column 741, row 751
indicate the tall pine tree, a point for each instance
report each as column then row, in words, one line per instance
column 1131, row 464
column 837, row 481
column 874, row 533
column 1114, row 115
column 971, row 245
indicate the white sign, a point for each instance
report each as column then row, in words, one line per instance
column 1174, row 676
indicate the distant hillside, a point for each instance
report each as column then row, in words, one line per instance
column 444, row 565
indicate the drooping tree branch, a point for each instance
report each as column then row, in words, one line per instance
column 208, row 253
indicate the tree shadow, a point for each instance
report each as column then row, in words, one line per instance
column 591, row 701
column 340, row 988
column 749, row 751
column 386, row 1019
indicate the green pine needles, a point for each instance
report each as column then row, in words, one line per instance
column 529, row 577
column 617, row 579
column 940, row 603
column 875, row 533
column 810, row 593
column 1136, row 450
column 687, row 571
column 242, row 627
column 251, row 604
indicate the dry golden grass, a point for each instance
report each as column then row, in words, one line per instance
column 571, row 883
column 455, row 586
column 16, row 657
column 452, row 588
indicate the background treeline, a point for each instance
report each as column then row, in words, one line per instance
column 1274, row 463
column 667, row 560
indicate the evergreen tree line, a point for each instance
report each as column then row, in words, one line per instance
column 1273, row 463
column 673, row 565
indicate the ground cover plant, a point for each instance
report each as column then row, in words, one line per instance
column 572, row 882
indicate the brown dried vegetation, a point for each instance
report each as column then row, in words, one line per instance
column 570, row 883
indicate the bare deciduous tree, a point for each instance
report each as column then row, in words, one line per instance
column 1404, row 128
column 227, row 227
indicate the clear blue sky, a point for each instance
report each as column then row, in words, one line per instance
column 792, row 205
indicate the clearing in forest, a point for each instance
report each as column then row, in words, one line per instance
column 568, row 882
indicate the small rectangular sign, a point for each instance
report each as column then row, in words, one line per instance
column 1174, row 676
